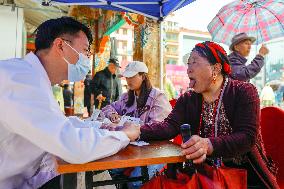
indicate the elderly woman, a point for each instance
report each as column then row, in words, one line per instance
column 141, row 101
column 224, row 118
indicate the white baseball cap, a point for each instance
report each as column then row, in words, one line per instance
column 134, row 68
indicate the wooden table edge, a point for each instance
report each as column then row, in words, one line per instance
column 97, row 166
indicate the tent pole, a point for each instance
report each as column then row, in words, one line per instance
column 161, row 57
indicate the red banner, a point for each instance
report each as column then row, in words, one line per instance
column 178, row 76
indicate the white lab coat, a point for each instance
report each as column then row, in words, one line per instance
column 31, row 124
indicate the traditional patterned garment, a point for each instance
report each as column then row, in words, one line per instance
column 224, row 129
column 223, row 123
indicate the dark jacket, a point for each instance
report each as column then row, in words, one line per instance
column 68, row 97
column 241, row 105
column 87, row 91
column 241, row 71
column 106, row 84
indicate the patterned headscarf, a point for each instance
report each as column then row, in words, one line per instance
column 214, row 53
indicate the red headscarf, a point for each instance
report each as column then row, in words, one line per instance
column 215, row 54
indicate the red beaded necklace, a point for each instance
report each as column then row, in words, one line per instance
column 216, row 102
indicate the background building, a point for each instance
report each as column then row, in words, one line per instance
column 171, row 41
column 189, row 38
column 178, row 43
column 124, row 43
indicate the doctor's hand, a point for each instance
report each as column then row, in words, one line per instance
column 197, row 148
column 109, row 126
column 114, row 117
column 131, row 130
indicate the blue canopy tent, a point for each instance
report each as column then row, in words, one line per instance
column 156, row 9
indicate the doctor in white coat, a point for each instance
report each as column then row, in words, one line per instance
column 32, row 126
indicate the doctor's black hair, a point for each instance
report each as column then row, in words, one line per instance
column 51, row 29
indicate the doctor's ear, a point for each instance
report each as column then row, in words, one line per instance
column 58, row 45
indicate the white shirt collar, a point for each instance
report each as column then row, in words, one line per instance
column 35, row 62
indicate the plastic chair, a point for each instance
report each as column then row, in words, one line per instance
column 272, row 128
column 177, row 140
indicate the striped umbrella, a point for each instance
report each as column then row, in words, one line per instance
column 262, row 19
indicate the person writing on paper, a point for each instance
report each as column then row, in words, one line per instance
column 240, row 47
column 224, row 118
column 141, row 101
column 32, row 126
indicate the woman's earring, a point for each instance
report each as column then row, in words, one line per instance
column 214, row 78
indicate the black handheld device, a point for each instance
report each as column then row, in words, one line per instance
column 185, row 132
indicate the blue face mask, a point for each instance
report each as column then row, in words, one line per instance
column 78, row 71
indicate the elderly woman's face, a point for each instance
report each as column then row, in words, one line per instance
column 199, row 72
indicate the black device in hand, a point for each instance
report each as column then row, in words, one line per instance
column 185, row 132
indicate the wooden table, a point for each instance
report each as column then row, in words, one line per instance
column 158, row 152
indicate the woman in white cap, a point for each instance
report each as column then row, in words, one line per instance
column 141, row 101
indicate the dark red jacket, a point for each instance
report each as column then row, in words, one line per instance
column 242, row 108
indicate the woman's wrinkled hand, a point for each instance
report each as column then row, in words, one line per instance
column 197, row 148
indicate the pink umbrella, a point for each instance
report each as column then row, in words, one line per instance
column 262, row 19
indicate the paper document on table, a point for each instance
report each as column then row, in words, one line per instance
column 139, row 143
column 124, row 119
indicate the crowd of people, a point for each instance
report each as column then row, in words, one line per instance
column 222, row 107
